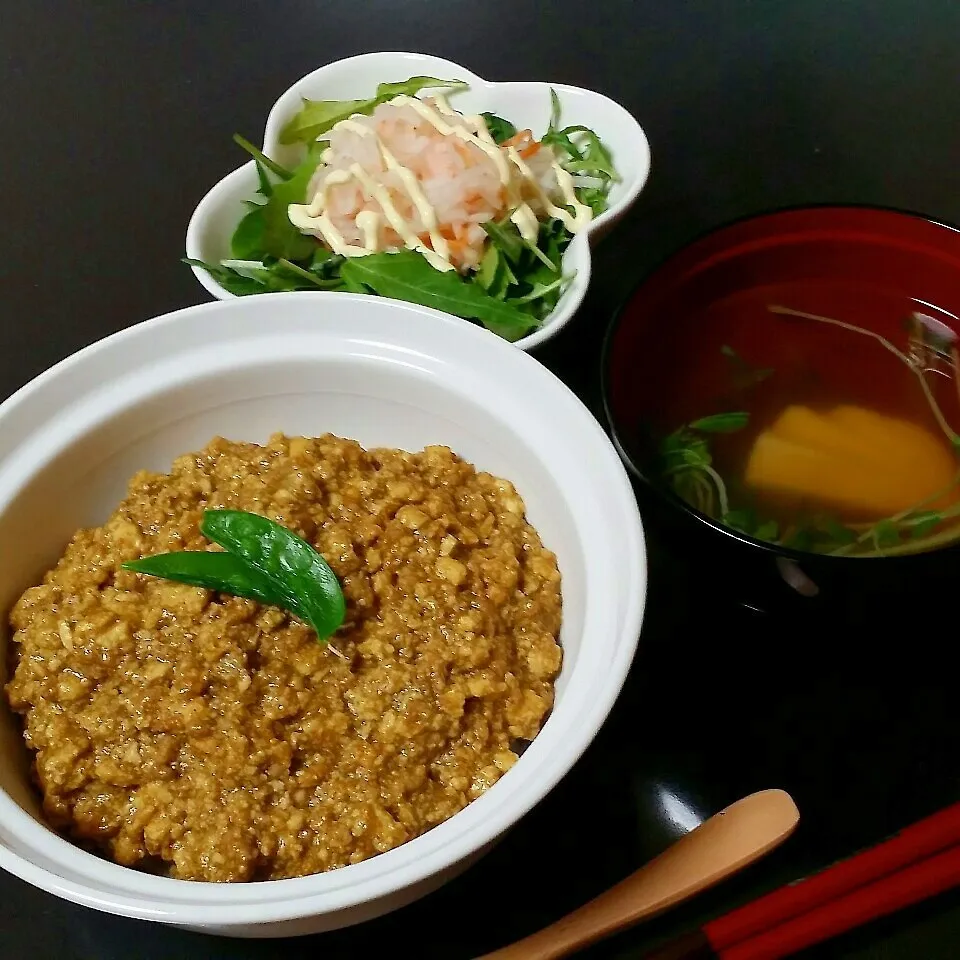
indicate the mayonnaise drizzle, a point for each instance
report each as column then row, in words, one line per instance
column 313, row 217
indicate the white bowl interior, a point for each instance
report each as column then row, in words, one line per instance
column 309, row 364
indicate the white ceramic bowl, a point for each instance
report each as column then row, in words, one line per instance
column 524, row 103
column 384, row 373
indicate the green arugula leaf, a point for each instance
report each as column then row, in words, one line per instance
column 487, row 271
column 411, row 87
column 263, row 161
column 308, row 277
column 556, row 108
column 406, row 275
column 266, row 184
column 721, row 422
column 324, row 258
column 499, row 128
column 244, row 277
column 494, row 274
column 541, row 290
column 247, row 240
column 593, row 157
column 281, row 239
column 562, row 145
column 593, row 197
column 316, row 117
column 533, row 285
column 506, row 237
column 250, row 269
column 231, row 281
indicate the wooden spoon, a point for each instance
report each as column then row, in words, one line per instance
column 719, row 847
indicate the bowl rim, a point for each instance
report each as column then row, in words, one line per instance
column 579, row 245
column 668, row 497
column 332, row 891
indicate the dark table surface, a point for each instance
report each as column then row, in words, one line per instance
column 116, row 118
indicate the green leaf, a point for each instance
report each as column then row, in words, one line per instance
column 553, row 267
column 302, row 276
column 745, row 374
column 593, row 197
column 506, row 237
column 744, row 520
column 406, row 275
column 683, row 449
column 885, row 534
column 411, row 87
column 278, row 276
column 250, row 269
column 721, row 422
column 352, row 284
column 499, row 128
column 316, row 117
column 266, row 184
column 266, row 230
column 838, row 533
column 535, row 274
column 768, row 530
column 230, row 280
column 297, row 572
column 262, row 159
column 247, row 240
column 923, row 523
column 494, row 274
column 556, row 108
column 594, row 158
column 323, row 258
column 487, row 271
column 564, row 148
column 281, row 239
column 800, row 539
column 541, row 290
column 222, row 572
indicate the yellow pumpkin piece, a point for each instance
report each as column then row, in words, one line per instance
column 850, row 458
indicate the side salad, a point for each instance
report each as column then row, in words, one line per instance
column 404, row 197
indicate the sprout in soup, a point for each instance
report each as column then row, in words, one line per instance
column 817, row 434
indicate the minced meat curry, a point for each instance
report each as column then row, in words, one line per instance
column 177, row 727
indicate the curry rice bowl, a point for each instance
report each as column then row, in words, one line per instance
column 385, row 375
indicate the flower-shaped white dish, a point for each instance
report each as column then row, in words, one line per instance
column 523, row 103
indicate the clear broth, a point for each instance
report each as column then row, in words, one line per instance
column 809, row 363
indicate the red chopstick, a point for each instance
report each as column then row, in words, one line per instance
column 919, row 862
column 921, row 880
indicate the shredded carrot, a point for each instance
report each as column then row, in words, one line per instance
column 520, row 139
column 530, row 151
column 464, row 150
